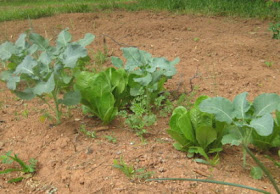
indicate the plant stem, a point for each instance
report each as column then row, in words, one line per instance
column 265, row 170
column 57, row 111
column 210, row 181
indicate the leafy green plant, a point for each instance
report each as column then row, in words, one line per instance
column 131, row 172
column 87, row 133
column 25, row 168
column 103, row 93
column 196, row 132
column 245, row 119
column 275, row 28
column 36, row 68
column 147, row 75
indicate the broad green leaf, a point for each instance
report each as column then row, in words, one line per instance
column 86, row 40
column 40, row 41
column 45, row 87
column 263, row 125
column 233, row 138
column 4, row 75
column 199, row 100
column 266, row 103
column 241, row 105
column 26, row 66
column 71, row 55
column 163, row 64
column 21, row 43
column 7, row 49
column 71, row 98
column 205, row 135
column 32, row 49
column 186, row 128
column 63, row 38
column 27, row 94
column 222, row 108
column 144, row 81
column 117, row 62
column 12, row 82
column 45, row 58
column 177, row 113
column 179, row 137
column 256, row 172
column 198, row 150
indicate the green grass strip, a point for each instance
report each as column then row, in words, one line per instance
column 210, row 181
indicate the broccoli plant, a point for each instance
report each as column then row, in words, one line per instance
column 35, row 68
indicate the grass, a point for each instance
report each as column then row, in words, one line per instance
column 24, row 9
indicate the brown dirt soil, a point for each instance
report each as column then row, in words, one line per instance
column 229, row 56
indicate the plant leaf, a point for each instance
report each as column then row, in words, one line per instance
column 63, row 38
column 144, row 81
column 45, row 87
column 256, row 173
column 9, row 170
column 71, row 98
column 71, row 55
column 86, row 40
column 7, row 49
column 184, row 122
column 241, row 105
column 16, row 180
column 263, row 125
column 266, row 103
column 117, row 62
column 12, row 82
column 40, row 41
column 26, row 66
column 27, row 94
column 205, row 135
column 222, row 108
column 233, row 138
column 21, row 43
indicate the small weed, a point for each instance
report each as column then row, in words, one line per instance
column 25, row 168
column 25, row 112
column 268, row 63
column 275, row 28
column 90, row 134
column 111, row 138
column 164, row 105
column 131, row 172
column 45, row 116
column 100, row 57
column 196, row 39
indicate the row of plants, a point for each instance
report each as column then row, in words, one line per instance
column 58, row 74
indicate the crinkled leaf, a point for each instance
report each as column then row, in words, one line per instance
column 71, row 98
column 266, row 103
column 144, row 81
column 86, row 40
column 7, row 49
column 222, row 108
column 117, row 62
column 27, row 94
column 241, row 105
column 263, row 125
column 205, row 135
column 165, row 65
column 63, row 38
column 45, row 87
column 40, row 41
column 26, row 66
column 71, row 55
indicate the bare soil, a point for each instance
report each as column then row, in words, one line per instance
column 225, row 55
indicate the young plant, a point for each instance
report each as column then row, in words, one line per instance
column 196, row 132
column 147, row 75
column 103, row 93
column 25, row 168
column 111, row 138
column 275, row 28
column 245, row 119
column 36, row 68
column 87, row 133
column 131, row 172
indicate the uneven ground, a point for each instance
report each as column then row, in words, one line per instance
column 227, row 56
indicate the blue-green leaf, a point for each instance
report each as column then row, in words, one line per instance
column 26, row 66
column 21, row 43
column 71, row 98
column 7, row 49
column 144, row 81
column 86, row 40
column 263, row 125
column 40, row 41
column 27, row 94
column 241, row 105
column 45, row 87
column 63, row 38
column 117, row 62
column 222, row 108
column 71, row 55
column 12, row 82
column 266, row 103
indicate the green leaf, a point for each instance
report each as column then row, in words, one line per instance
column 266, row 103
column 45, row 87
column 7, row 49
column 205, row 135
column 4, row 75
column 26, row 66
column 117, row 62
column 86, row 40
column 71, row 98
column 263, row 125
column 163, row 64
column 40, row 41
column 241, row 105
column 256, row 173
column 233, row 138
column 179, row 137
column 71, row 55
column 222, row 108
column 186, row 128
column 12, row 82
column 9, row 170
column 63, row 38
column 16, row 180
column 198, row 150
column 144, row 81
column 21, row 43
column 45, row 58
column 27, row 94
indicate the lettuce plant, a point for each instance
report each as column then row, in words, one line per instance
column 147, row 75
column 196, row 131
column 36, row 68
column 103, row 93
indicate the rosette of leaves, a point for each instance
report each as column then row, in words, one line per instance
column 103, row 93
column 196, row 132
column 147, row 74
column 36, row 68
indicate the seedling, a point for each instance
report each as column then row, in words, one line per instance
column 25, row 168
column 196, row 39
column 131, row 172
column 268, row 64
column 111, row 138
column 90, row 134
column 37, row 69
column 25, row 112
column 275, row 28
